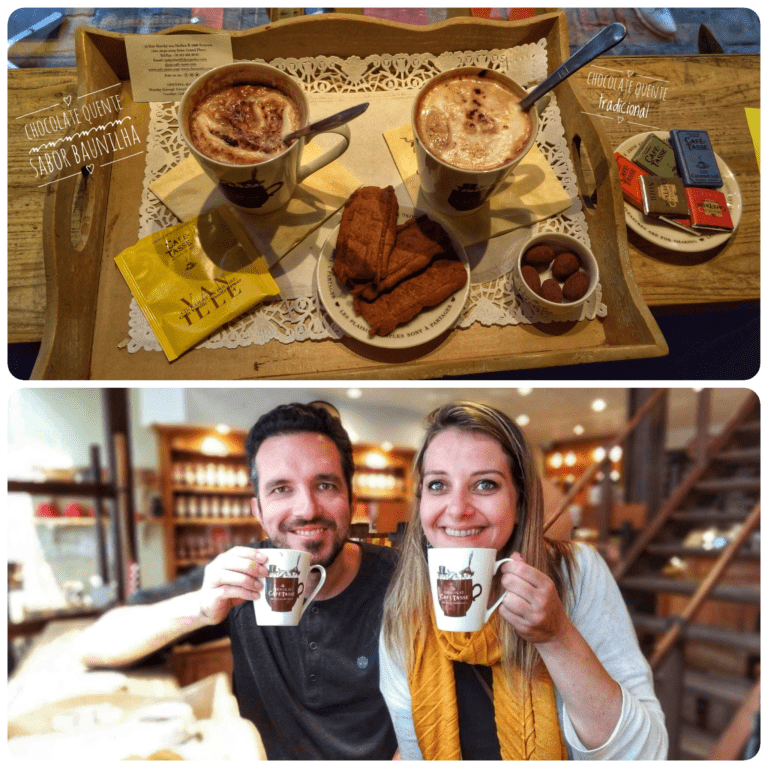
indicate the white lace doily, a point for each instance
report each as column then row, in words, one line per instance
column 493, row 302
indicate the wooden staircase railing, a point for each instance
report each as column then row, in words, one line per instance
column 672, row 635
column 592, row 470
column 690, row 480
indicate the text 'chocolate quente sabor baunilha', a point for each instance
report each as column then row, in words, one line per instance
column 192, row 278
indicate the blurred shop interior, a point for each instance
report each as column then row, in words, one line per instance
column 112, row 491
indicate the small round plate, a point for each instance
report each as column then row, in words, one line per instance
column 427, row 325
column 668, row 235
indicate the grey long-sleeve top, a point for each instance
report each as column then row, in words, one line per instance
column 597, row 610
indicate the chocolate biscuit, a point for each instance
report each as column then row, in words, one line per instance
column 366, row 235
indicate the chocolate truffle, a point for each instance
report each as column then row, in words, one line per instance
column 531, row 276
column 551, row 291
column 539, row 256
column 565, row 264
column 575, row 286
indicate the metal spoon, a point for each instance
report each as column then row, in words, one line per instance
column 603, row 41
column 334, row 121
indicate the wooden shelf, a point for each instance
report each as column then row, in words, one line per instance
column 213, row 490
column 179, row 445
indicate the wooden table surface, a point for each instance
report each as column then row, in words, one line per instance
column 709, row 92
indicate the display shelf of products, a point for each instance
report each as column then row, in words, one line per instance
column 382, row 485
column 205, row 491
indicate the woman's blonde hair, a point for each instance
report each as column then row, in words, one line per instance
column 407, row 604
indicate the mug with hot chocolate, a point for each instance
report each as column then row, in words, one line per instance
column 469, row 133
column 233, row 119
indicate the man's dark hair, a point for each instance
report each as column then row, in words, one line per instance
column 296, row 417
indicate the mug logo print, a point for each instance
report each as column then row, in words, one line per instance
column 283, row 588
column 251, row 194
column 455, row 590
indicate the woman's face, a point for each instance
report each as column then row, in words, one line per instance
column 468, row 498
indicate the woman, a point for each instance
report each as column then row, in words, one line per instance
column 556, row 672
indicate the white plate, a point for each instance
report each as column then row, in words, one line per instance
column 668, row 235
column 427, row 325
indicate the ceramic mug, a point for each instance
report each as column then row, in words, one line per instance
column 458, row 191
column 266, row 186
column 460, row 579
column 283, row 599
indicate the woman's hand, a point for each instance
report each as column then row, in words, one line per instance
column 531, row 605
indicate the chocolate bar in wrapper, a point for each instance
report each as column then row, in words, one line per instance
column 709, row 209
column 663, row 196
column 656, row 157
column 695, row 158
column 629, row 176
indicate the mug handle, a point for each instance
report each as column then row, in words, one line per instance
column 498, row 602
column 327, row 157
column 317, row 588
column 475, row 596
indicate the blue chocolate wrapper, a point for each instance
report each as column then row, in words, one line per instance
column 696, row 161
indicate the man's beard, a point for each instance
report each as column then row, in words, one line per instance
column 312, row 547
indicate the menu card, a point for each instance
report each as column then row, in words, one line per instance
column 162, row 66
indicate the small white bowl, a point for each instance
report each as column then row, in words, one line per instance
column 559, row 242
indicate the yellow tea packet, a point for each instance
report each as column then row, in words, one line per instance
column 192, row 278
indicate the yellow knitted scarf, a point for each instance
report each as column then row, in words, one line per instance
column 526, row 717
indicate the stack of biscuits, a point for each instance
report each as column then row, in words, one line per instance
column 393, row 272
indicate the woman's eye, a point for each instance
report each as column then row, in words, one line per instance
column 487, row 485
column 436, row 485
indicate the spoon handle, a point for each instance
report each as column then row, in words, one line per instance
column 334, row 121
column 603, row 41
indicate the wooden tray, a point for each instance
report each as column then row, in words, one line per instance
column 88, row 305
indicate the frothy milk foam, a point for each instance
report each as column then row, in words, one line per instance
column 243, row 123
column 472, row 122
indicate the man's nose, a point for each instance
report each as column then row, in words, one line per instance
column 305, row 501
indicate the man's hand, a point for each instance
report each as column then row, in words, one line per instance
column 531, row 605
column 232, row 578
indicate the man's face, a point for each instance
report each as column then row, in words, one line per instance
column 303, row 500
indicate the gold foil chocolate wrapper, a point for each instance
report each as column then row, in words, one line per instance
column 192, row 278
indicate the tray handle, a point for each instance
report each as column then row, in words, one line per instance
column 72, row 272
column 597, row 179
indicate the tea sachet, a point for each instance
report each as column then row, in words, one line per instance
column 192, row 278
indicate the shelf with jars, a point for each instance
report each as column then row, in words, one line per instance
column 382, row 486
column 206, row 493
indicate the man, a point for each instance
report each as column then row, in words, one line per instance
column 312, row 690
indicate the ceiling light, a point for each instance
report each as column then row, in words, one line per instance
column 375, row 460
column 212, row 446
column 599, row 405
column 599, row 453
column 570, row 479
column 523, row 420
column 524, row 391
column 386, row 446
column 578, row 429
column 570, row 459
column 615, row 453
column 615, row 476
column 223, row 429
column 556, row 460
column 354, row 393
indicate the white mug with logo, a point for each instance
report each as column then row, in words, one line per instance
column 460, row 578
column 266, row 186
column 283, row 599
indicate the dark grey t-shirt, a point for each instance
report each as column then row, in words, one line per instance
column 313, row 690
